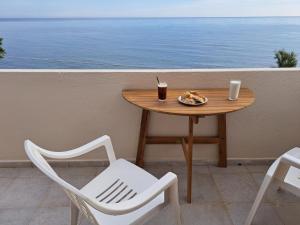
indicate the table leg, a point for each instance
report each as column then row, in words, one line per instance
column 223, row 142
column 190, row 159
column 142, row 138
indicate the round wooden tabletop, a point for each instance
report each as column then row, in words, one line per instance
column 218, row 102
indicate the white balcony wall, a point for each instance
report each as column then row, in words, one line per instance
column 62, row 109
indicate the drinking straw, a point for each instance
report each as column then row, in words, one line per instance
column 157, row 80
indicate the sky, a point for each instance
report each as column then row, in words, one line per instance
column 147, row 8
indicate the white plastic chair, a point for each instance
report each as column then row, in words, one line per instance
column 285, row 171
column 122, row 194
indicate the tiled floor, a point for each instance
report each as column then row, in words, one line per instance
column 220, row 196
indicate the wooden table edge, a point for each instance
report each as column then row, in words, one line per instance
column 185, row 114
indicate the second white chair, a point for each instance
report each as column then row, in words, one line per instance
column 286, row 172
column 122, row 194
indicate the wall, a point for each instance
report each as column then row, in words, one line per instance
column 62, row 109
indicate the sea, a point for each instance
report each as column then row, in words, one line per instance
column 146, row 43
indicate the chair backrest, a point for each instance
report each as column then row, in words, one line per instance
column 35, row 154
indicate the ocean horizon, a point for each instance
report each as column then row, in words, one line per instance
column 147, row 42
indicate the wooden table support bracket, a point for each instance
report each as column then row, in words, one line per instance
column 186, row 143
column 184, row 148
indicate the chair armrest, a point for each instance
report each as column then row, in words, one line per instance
column 291, row 160
column 141, row 199
column 101, row 141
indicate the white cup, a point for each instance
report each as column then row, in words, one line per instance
column 234, row 89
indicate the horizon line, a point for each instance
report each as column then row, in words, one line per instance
column 146, row 17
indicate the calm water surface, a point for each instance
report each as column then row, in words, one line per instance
column 147, row 43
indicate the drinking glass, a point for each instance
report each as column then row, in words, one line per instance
column 162, row 91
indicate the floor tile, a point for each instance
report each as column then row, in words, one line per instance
column 201, row 169
column 229, row 169
column 56, row 197
column 99, row 170
column 220, row 196
column 281, row 196
column 159, row 170
column 30, row 172
column 4, row 185
column 258, row 178
column 236, row 187
column 84, row 221
column 273, row 195
column 166, row 216
column 196, row 170
column 51, row 216
column 265, row 215
column 77, row 171
column 16, row 216
column 79, row 182
column 203, row 189
column 257, row 168
column 204, row 214
column 289, row 213
column 25, row 192
column 9, row 172
column 178, row 169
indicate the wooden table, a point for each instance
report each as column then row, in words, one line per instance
column 217, row 105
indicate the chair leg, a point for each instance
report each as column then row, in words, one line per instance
column 74, row 214
column 280, row 174
column 259, row 197
column 174, row 202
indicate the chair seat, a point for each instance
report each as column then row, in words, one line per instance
column 120, row 182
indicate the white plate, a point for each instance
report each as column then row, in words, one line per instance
column 196, row 104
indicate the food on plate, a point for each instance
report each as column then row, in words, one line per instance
column 193, row 97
